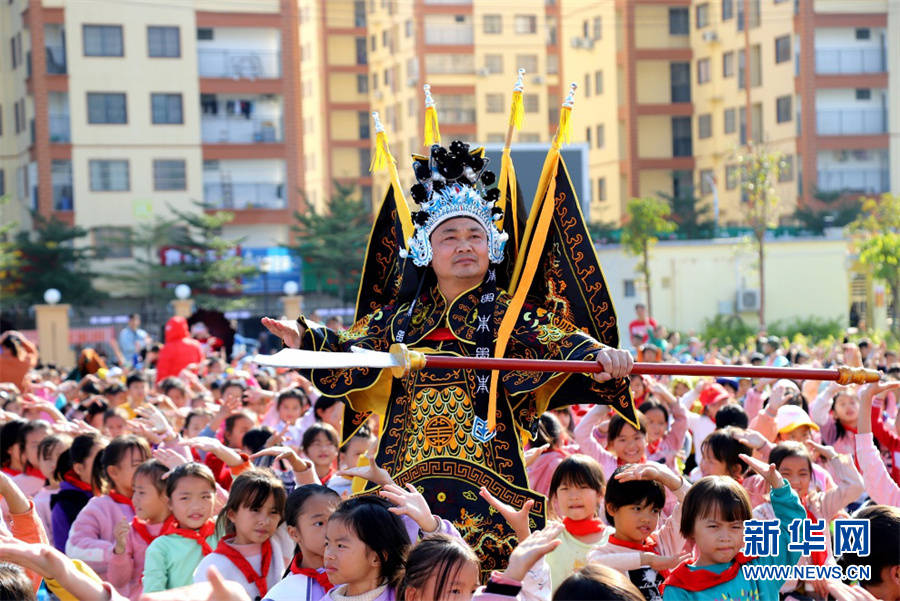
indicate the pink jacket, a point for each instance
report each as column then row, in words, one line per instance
column 91, row 537
column 672, row 442
column 879, row 484
column 540, row 473
column 125, row 570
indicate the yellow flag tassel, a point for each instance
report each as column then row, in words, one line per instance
column 432, row 131
column 382, row 154
column 517, row 111
column 564, row 136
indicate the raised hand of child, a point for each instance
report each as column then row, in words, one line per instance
column 823, row 450
column 303, row 468
column 121, row 534
column 217, row 588
column 663, row 562
column 650, row 471
column 845, row 592
column 529, row 551
column 277, row 437
column 751, row 438
column 769, row 472
column 170, row 457
column 532, row 454
column 410, row 503
column 517, row 520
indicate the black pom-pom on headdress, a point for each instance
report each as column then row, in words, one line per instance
column 437, row 186
column 422, row 170
column 439, row 152
column 475, row 162
column 488, row 178
column 495, row 211
column 419, row 193
column 420, row 217
column 458, row 147
column 492, row 195
column 451, row 168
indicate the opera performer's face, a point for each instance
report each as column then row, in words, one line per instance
column 460, row 251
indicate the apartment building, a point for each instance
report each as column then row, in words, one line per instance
column 680, row 85
column 113, row 111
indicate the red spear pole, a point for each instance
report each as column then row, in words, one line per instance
column 842, row 375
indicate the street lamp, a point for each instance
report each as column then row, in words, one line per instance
column 182, row 291
column 52, row 296
column 290, row 288
column 265, row 265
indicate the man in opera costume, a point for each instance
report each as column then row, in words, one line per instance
column 444, row 290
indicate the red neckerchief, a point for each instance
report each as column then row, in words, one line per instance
column 648, row 546
column 621, row 462
column 320, row 577
column 140, row 526
column 34, row 472
column 851, row 429
column 584, row 527
column 72, row 478
column 653, row 447
column 241, row 563
column 121, row 499
column 700, row 580
column 10, row 471
column 328, row 476
column 817, row 558
column 199, row 536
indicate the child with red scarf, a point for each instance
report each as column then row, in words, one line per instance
column 250, row 553
column 635, row 495
column 712, row 519
column 73, row 470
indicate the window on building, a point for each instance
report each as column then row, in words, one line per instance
column 102, row 40
column 361, row 56
column 597, row 29
column 702, row 15
column 680, row 76
column 863, row 33
column 114, row 241
column 205, row 33
column 408, row 28
column 169, row 174
column 679, row 21
column 786, row 172
column 109, row 176
column 106, row 107
column 706, row 177
column 163, row 42
column 587, row 85
column 704, row 126
column 682, row 184
column 681, row 137
column 732, row 177
column 783, row 109
column 373, row 42
column 455, row 108
column 730, row 123
column 362, row 121
column 601, row 136
column 587, row 136
column 598, row 82
column 529, row 62
column 863, row 94
column 362, row 83
column 359, row 13
column 493, row 23
column 529, row 137
column 703, row 71
column 447, row 63
column 374, row 81
column 531, row 103
column 728, row 64
column 601, row 189
column 494, row 103
column 365, row 161
column 783, row 49
column 525, row 24
column 630, row 289
column 552, row 64
column 166, row 109
column 2, row 182
column 493, row 63
column 1, row 119
column 727, row 9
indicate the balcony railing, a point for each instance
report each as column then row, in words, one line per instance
column 244, row 195
column 239, row 64
column 849, row 61
column 238, row 130
column 59, row 128
column 56, row 60
column 443, row 34
column 866, row 180
column 837, row 122
column 458, row 116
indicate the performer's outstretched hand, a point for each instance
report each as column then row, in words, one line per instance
column 616, row 363
column 288, row 330
column 517, row 520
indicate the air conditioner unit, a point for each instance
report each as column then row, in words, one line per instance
column 537, row 79
column 588, row 43
column 412, row 81
column 710, row 36
column 578, row 42
column 483, row 72
column 378, row 94
column 747, row 300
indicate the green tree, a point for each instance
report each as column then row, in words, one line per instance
column 10, row 257
column 830, row 209
column 759, row 171
column 604, row 231
column 50, row 255
column 647, row 218
column 877, row 239
column 690, row 215
column 209, row 263
column 332, row 243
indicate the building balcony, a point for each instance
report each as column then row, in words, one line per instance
column 59, row 128
column 870, row 180
column 63, row 198
column 244, row 195
column 843, row 122
column 455, row 116
column 849, row 61
column 238, row 130
column 238, row 64
column 56, row 60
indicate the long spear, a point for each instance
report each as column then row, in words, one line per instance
column 400, row 360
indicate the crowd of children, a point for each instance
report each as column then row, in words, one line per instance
column 229, row 481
